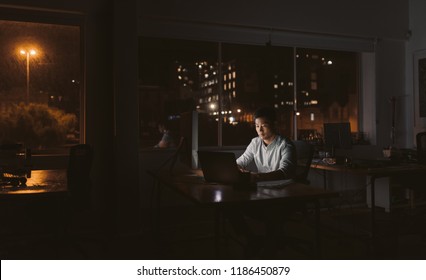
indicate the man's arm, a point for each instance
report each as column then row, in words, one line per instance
column 246, row 158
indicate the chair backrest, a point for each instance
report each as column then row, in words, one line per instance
column 421, row 146
column 78, row 174
column 171, row 161
column 304, row 153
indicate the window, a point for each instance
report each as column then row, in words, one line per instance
column 40, row 84
column 176, row 72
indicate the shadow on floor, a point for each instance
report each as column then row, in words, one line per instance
column 187, row 233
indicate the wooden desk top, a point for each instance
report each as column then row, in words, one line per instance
column 193, row 186
column 339, row 168
column 385, row 171
column 397, row 170
column 41, row 182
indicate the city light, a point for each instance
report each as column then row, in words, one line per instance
column 28, row 53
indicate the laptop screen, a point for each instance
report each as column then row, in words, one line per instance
column 219, row 167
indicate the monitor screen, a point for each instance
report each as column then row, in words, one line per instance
column 338, row 135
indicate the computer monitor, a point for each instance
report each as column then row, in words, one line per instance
column 337, row 135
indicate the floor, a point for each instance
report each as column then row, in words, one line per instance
column 187, row 233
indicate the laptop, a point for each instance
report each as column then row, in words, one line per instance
column 221, row 167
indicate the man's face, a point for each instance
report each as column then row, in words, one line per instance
column 264, row 129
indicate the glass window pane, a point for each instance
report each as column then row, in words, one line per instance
column 40, row 84
column 180, row 75
column 326, row 89
column 177, row 76
column 259, row 76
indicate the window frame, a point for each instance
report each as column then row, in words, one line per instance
column 56, row 17
column 365, row 85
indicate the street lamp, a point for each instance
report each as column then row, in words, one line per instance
column 28, row 53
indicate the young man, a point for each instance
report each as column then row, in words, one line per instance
column 273, row 154
column 275, row 159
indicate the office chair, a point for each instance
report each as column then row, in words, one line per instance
column 304, row 152
column 169, row 165
column 173, row 159
column 416, row 182
column 78, row 175
column 81, row 232
column 421, row 147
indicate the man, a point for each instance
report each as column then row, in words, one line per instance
column 273, row 154
column 275, row 159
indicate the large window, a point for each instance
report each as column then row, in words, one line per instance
column 40, row 84
column 177, row 76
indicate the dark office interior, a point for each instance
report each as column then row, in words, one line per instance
column 117, row 69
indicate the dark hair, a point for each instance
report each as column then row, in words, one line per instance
column 266, row 112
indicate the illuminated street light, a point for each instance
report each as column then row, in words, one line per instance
column 28, row 53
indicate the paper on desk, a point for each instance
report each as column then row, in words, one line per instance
column 274, row 183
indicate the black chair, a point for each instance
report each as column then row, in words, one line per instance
column 416, row 182
column 78, row 175
column 82, row 232
column 421, row 147
column 304, row 152
column 170, row 162
column 304, row 155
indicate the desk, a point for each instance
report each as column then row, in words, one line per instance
column 34, row 213
column 42, row 183
column 193, row 187
column 373, row 173
column 336, row 168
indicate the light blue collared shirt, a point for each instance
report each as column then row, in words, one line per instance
column 279, row 155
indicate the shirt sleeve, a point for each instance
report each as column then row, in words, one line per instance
column 288, row 159
column 247, row 157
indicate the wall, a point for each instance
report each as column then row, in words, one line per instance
column 361, row 18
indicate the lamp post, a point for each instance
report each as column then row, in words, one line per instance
column 28, row 53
